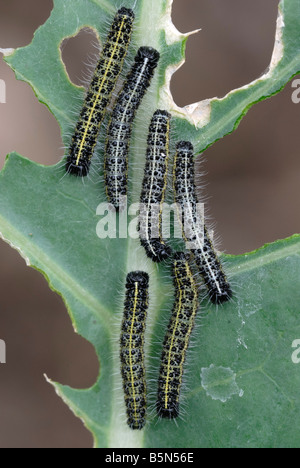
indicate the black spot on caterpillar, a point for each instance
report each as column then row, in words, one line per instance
column 99, row 93
column 177, row 338
column 132, row 348
column 154, row 187
column 119, row 129
column 203, row 251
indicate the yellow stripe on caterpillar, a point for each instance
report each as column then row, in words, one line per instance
column 99, row 93
column 132, row 348
column 177, row 338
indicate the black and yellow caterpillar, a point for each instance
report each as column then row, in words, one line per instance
column 132, row 348
column 99, row 93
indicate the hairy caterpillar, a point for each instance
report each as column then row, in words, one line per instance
column 177, row 338
column 119, row 129
column 203, row 251
column 154, row 187
column 99, row 93
column 132, row 348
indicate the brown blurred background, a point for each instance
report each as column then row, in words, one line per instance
column 252, row 186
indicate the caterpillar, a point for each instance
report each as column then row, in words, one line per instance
column 177, row 338
column 203, row 252
column 154, row 187
column 119, row 128
column 99, row 93
column 132, row 348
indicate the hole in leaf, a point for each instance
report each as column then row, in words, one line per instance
column 253, row 188
column 233, row 48
column 27, row 125
column 78, row 54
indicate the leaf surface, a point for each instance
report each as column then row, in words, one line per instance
column 241, row 382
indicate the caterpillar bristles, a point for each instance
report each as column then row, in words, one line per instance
column 132, row 348
column 194, row 230
column 154, row 186
column 120, row 125
column 177, row 338
column 99, row 93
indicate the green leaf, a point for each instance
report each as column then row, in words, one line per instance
column 241, row 382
